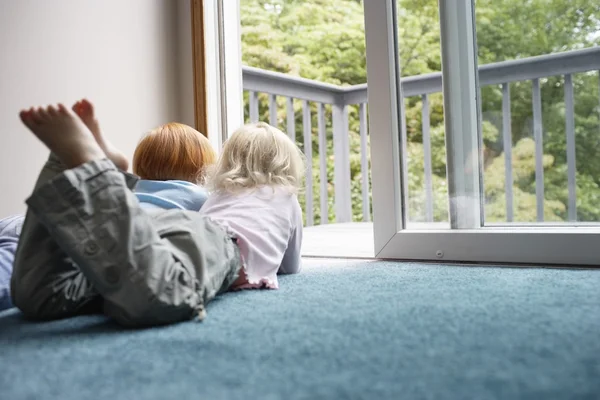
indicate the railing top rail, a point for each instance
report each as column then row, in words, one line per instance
column 281, row 77
column 568, row 62
column 280, row 84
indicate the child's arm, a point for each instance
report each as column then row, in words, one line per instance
column 10, row 229
column 292, row 258
column 7, row 257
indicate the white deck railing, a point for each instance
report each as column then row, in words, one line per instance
column 307, row 91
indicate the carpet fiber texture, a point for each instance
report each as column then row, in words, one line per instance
column 345, row 330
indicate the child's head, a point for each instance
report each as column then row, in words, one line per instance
column 256, row 155
column 173, row 152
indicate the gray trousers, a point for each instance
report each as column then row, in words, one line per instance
column 87, row 245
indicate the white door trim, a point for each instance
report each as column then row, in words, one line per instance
column 510, row 244
column 224, row 88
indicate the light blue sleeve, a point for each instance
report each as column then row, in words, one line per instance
column 10, row 230
column 202, row 197
column 292, row 258
column 7, row 257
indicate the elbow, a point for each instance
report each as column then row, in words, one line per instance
column 291, row 269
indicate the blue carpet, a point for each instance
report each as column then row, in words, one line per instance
column 358, row 330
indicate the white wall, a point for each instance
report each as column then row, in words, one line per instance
column 186, row 63
column 132, row 58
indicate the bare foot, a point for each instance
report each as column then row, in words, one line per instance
column 85, row 110
column 63, row 133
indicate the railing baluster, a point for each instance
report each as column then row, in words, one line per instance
column 273, row 110
column 307, row 125
column 427, row 157
column 539, row 148
column 507, row 139
column 404, row 161
column 291, row 119
column 253, row 106
column 570, row 132
column 323, row 163
column 341, row 153
column 364, row 162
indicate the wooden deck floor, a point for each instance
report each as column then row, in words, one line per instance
column 350, row 240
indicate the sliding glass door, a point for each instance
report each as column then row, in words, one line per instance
column 484, row 126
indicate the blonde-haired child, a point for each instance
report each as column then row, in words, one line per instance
column 87, row 244
column 255, row 185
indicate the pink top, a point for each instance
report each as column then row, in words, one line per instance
column 267, row 223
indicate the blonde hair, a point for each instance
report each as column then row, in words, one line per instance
column 258, row 155
column 173, row 151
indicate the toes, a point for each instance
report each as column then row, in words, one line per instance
column 87, row 107
column 83, row 108
column 43, row 113
column 37, row 116
column 26, row 117
column 30, row 114
column 87, row 104
column 77, row 107
column 52, row 111
column 62, row 109
column 30, row 117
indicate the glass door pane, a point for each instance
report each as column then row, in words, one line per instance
column 423, row 133
column 539, row 65
column 441, row 168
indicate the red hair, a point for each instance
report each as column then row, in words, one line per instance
column 173, row 151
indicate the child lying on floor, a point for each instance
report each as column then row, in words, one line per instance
column 88, row 245
column 170, row 161
column 254, row 186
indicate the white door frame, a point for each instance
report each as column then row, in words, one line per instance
column 225, row 106
column 468, row 241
